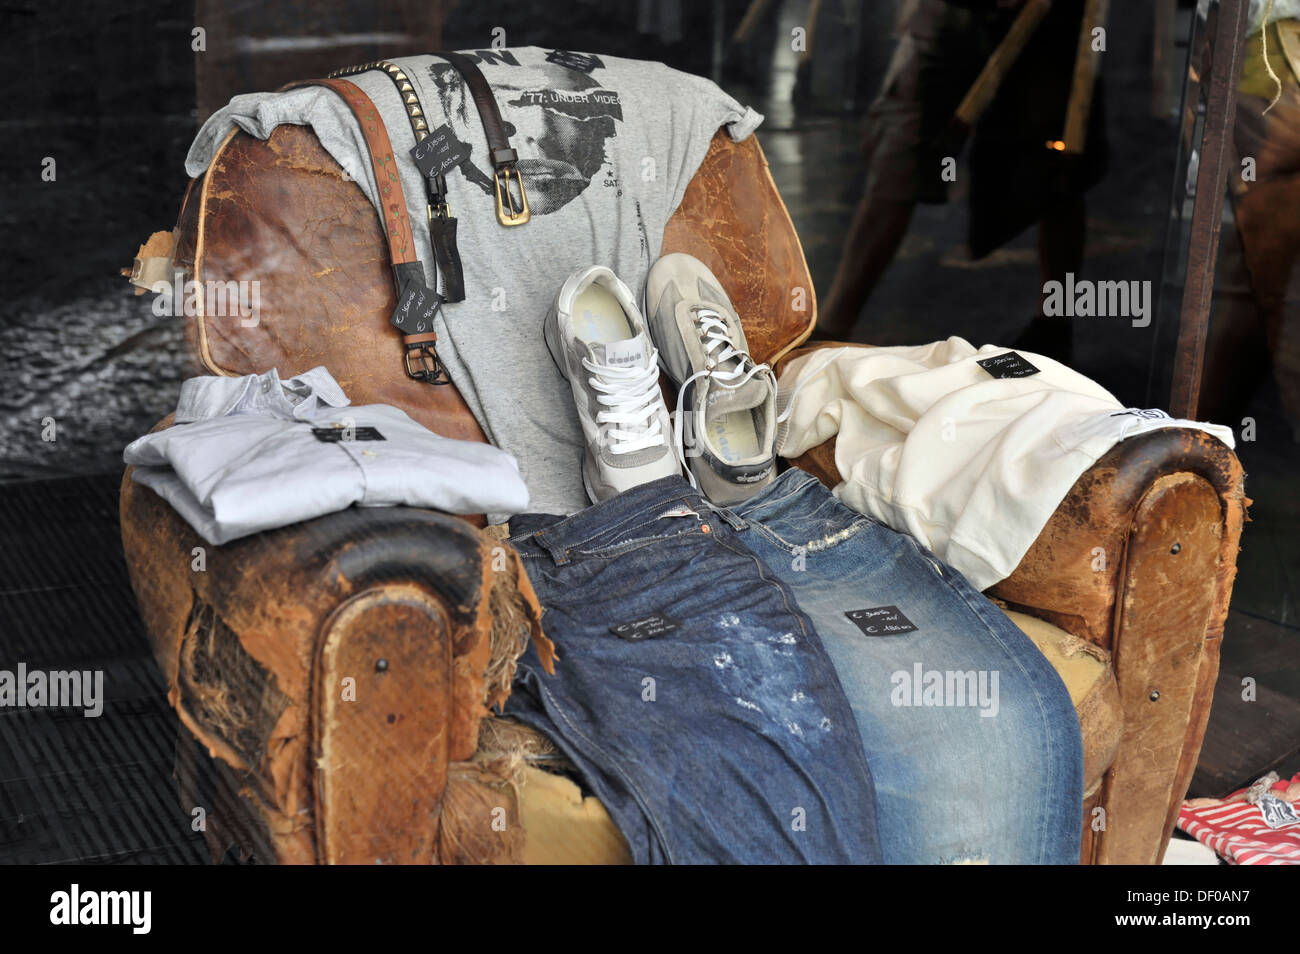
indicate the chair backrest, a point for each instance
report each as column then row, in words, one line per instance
column 283, row 212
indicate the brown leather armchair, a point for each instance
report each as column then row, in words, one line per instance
column 340, row 673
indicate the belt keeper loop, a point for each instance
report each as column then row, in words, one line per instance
column 558, row 553
column 733, row 519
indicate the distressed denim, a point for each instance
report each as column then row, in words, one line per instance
column 690, row 691
column 972, row 738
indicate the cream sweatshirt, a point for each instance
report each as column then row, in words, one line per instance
column 970, row 459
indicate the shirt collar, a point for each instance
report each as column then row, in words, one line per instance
column 299, row 398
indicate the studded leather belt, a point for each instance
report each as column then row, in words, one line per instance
column 418, row 305
column 511, row 196
column 442, row 224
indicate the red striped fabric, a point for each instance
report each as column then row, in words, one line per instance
column 1236, row 831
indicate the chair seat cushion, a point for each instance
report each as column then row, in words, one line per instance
column 564, row 826
column 1090, row 680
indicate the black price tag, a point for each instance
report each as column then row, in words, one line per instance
column 416, row 307
column 341, row 432
column 881, row 621
column 1009, row 365
column 439, row 153
column 656, row 624
column 582, row 62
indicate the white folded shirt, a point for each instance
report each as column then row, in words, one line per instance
column 245, row 456
column 931, row 443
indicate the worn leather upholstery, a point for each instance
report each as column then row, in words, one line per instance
column 420, row 616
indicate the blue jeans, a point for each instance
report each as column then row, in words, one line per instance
column 690, row 691
column 972, row 738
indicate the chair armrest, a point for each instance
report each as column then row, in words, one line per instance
column 1072, row 574
column 337, row 666
column 1140, row 559
column 1075, row 571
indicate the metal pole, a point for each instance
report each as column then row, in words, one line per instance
column 1207, row 210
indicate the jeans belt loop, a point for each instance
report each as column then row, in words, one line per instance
column 734, row 520
column 558, row 553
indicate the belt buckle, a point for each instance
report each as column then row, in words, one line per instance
column 431, row 370
column 507, row 214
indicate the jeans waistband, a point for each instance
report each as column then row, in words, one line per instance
column 603, row 520
column 789, row 482
column 606, row 520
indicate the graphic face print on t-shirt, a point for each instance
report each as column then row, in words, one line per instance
column 558, row 120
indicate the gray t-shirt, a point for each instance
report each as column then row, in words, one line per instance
column 607, row 148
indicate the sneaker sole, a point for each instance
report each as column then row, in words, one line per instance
column 550, row 332
column 645, row 316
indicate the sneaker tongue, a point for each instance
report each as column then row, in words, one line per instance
column 724, row 400
column 629, row 353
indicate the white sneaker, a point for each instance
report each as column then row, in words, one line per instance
column 726, row 406
column 598, row 339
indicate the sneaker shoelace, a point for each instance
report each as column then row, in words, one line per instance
column 719, row 347
column 631, row 396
